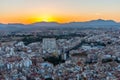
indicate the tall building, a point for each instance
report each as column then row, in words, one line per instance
column 49, row 45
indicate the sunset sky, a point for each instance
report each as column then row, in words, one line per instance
column 30, row 11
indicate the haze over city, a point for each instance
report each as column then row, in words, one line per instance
column 62, row 11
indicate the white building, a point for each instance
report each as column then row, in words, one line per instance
column 20, row 44
column 27, row 62
column 49, row 45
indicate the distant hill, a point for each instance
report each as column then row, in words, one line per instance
column 45, row 24
column 92, row 22
column 102, row 22
column 99, row 23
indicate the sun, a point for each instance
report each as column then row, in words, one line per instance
column 45, row 18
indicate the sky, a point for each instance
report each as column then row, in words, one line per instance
column 62, row 11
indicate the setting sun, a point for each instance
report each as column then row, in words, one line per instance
column 45, row 18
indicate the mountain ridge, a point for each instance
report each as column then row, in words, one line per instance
column 99, row 23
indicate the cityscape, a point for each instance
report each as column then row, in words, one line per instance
column 66, row 55
column 68, row 40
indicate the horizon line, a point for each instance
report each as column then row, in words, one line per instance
column 57, row 22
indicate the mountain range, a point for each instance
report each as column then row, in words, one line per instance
column 99, row 23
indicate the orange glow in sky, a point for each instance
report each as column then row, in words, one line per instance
column 62, row 11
